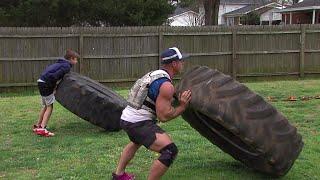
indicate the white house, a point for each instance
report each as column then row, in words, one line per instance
column 230, row 13
column 271, row 16
column 185, row 17
column 266, row 10
column 227, row 6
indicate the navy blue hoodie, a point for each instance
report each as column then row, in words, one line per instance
column 55, row 72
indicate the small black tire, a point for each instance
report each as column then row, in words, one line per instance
column 91, row 101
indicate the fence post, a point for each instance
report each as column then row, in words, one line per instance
column 160, row 47
column 81, row 70
column 302, row 49
column 234, row 54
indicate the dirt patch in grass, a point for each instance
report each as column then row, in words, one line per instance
column 32, row 172
column 2, row 175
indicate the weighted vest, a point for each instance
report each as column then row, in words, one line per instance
column 138, row 95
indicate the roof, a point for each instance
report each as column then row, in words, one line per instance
column 241, row 11
column 250, row 8
column 304, row 5
column 246, row 2
column 179, row 10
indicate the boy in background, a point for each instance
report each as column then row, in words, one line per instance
column 47, row 84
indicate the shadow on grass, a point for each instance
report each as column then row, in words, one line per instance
column 82, row 128
column 225, row 168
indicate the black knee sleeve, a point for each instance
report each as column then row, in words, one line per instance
column 168, row 154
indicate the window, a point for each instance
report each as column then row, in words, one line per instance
column 230, row 21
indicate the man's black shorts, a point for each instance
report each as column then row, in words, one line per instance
column 143, row 132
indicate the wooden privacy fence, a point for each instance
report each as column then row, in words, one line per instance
column 123, row 54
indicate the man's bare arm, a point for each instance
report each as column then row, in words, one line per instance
column 165, row 111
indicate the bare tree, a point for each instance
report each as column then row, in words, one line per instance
column 211, row 8
column 195, row 20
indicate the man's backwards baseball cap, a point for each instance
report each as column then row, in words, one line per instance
column 171, row 54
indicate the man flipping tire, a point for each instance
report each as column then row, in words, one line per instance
column 150, row 98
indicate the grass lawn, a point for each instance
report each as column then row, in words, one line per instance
column 83, row 151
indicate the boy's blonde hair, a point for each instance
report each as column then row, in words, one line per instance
column 71, row 54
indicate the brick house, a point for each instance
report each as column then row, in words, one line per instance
column 305, row 12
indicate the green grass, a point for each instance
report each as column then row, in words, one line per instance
column 83, row 151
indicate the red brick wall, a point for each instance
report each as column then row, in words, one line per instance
column 300, row 18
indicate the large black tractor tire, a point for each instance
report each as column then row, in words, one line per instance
column 91, row 101
column 240, row 122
